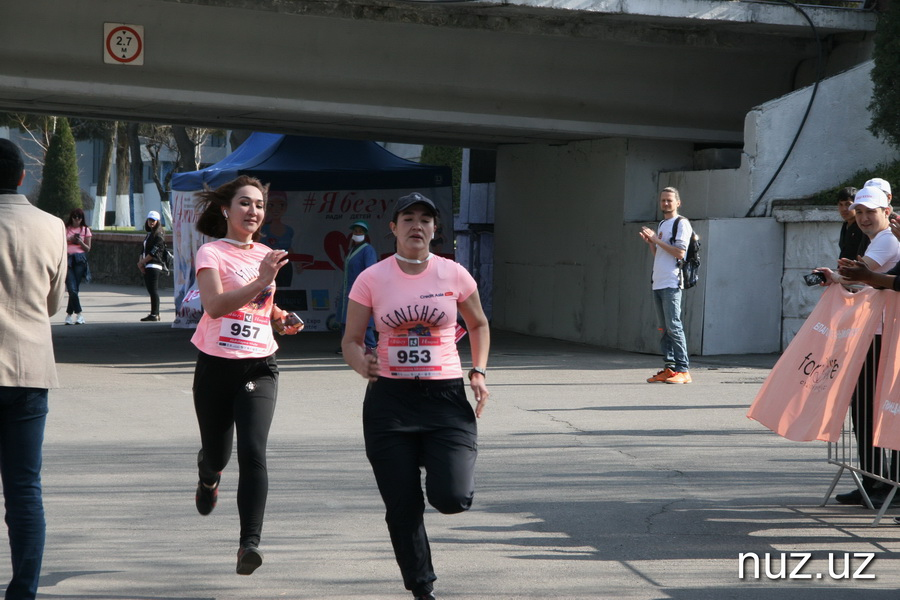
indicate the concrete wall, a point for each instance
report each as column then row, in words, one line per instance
column 834, row 144
column 810, row 240
column 113, row 259
column 742, row 303
column 835, row 141
column 567, row 263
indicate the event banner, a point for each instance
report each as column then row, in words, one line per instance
column 887, row 390
column 314, row 228
column 807, row 394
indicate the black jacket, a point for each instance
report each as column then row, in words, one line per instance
column 155, row 247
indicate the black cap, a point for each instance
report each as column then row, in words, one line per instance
column 415, row 198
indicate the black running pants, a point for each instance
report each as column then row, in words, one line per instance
column 410, row 424
column 237, row 395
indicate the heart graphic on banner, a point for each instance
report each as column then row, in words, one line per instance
column 336, row 244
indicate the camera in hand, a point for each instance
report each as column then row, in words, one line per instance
column 814, row 278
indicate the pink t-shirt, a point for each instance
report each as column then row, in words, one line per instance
column 71, row 246
column 247, row 332
column 415, row 316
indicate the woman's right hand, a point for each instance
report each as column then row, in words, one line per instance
column 271, row 264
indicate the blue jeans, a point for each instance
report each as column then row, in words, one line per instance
column 672, row 344
column 78, row 267
column 23, row 413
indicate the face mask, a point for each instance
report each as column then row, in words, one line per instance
column 358, row 238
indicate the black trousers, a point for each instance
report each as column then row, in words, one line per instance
column 151, row 281
column 409, row 424
column 872, row 459
column 237, row 394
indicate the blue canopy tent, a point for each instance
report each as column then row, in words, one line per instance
column 317, row 188
column 289, row 162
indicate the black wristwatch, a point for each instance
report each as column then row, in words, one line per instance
column 474, row 370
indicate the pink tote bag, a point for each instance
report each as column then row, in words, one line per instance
column 806, row 395
column 887, row 386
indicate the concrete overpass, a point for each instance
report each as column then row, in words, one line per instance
column 468, row 73
column 588, row 102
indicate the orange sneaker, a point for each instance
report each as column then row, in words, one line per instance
column 662, row 376
column 683, row 377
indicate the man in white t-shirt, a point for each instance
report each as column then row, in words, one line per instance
column 667, row 251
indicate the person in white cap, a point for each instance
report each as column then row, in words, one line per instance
column 873, row 212
column 882, row 185
column 152, row 261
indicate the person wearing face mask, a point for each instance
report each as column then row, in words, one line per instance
column 360, row 256
column 415, row 412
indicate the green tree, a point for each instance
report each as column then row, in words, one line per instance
column 885, row 105
column 59, row 181
column 446, row 156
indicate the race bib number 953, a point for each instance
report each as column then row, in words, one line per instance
column 414, row 356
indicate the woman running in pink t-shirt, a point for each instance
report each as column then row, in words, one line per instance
column 415, row 411
column 236, row 376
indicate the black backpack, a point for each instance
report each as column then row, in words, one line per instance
column 690, row 264
column 164, row 256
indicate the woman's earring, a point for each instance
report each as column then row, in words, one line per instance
column 225, row 212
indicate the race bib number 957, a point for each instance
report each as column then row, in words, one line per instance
column 246, row 332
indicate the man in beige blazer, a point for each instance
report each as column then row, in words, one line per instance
column 32, row 283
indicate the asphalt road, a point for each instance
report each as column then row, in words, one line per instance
column 591, row 483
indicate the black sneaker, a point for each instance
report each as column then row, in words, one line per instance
column 428, row 596
column 151, row 318
column 206, row 497
column 249, row 558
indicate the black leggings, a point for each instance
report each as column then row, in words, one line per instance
column 229, row 394
column 409, row 424
column 151, row 280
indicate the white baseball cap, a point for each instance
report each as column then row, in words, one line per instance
column 153, row 215
column 870, row 197
column 880, row 183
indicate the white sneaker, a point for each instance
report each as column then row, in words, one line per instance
column 79, row 320
column 69, row 320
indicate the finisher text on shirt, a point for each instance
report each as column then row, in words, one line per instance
column 415, row 314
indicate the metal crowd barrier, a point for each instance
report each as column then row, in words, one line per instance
column 877, row 463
